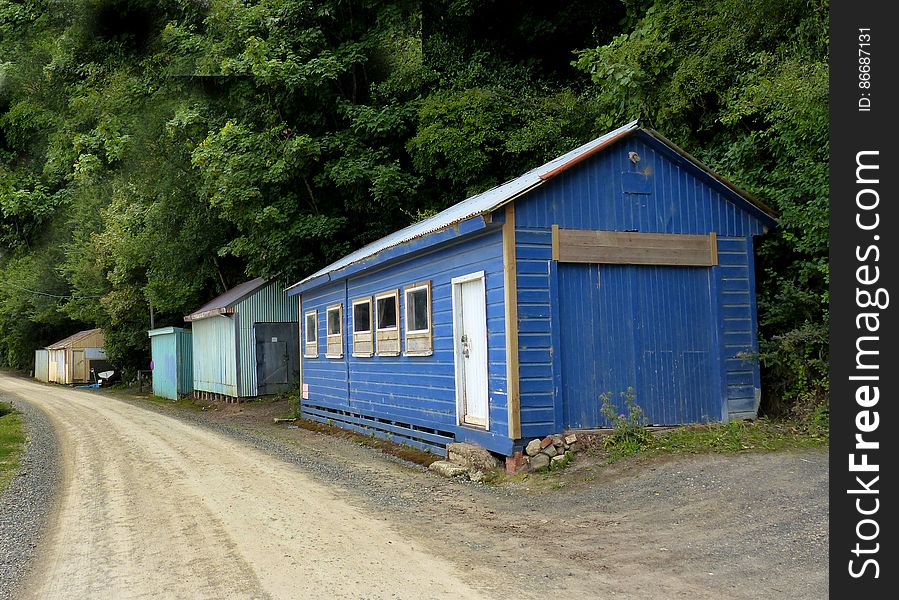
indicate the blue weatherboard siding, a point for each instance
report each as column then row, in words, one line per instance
column 609, row 192
column 418, row 391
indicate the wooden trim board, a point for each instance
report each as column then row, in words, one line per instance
column 636, row 248
column 510, row 301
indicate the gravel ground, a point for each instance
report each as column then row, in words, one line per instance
column 745, row 525
column 749, row 526
column 27, row 501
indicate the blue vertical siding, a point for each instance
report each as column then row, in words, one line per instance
column 592, row 196
column 649, row 328
column 416, row 390
column 598, row 194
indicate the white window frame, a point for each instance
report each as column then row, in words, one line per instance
column 370, row 333
column 331, row 336
column 371, row 315
column 395, row 294
column 427, row 288
column 307, row 342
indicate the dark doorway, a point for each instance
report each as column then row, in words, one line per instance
column 277, row 356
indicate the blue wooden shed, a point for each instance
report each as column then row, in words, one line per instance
column 172, row 362
column 245, row 342
column 625, row 263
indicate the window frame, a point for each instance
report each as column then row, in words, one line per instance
column 364, row 337
column 417, row 336
column 330, row 337
column 310, row 347
column 426, row 286
column 395, row 294
column 387, row 336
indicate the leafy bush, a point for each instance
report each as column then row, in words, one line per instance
column 629, row 434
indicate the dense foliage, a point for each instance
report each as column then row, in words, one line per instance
column 156, row 152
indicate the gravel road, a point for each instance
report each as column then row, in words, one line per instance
column 27, row 501
column 151, row 507
column 165, row 501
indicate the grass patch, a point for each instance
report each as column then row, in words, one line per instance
column 12, row 442
column 739, row 436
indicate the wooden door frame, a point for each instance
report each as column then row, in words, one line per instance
column 456, row 289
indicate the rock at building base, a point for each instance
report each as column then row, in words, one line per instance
column 570, row 439
column 539, row 461
column 550, row 451
column 471, row 456
column 447, row 468
column 532, row 448
column 555, row 460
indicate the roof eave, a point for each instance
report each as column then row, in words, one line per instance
column 198, row 316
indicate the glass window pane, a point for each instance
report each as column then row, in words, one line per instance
column 362, row 317
column 334, row 321
column 387, row 312
column 417, row 310
column 310, row 328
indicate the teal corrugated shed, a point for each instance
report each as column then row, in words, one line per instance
column 225, row 336
column 172, row 352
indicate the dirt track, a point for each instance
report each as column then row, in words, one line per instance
column 171, row 502
column 152, row 507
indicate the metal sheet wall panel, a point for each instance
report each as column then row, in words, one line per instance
column 171, row 351
column 58, row 372
column 270, row 304
column 164, row 351
column 214, row 355
column 650, row 328
column 42, row 365
column 184, row 352
column 416, row 389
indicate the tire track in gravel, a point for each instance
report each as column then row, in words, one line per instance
column 153, row 507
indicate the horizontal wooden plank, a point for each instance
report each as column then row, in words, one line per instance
column 636, row 248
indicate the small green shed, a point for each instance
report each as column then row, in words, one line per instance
column 172, row 362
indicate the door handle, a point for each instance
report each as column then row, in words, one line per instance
column 466, row 348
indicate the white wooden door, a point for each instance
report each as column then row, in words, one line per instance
column 470, row 332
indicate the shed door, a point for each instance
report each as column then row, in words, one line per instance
column 79, row 366
column 276, row 356
column 646, row 327
column 470, row 328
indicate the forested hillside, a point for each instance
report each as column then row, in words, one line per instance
column 156, row 152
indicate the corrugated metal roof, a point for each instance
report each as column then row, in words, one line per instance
column 64, row 343
column 221, row 304
column 494, row 198
column 476, row 205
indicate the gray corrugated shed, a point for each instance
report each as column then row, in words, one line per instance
column 225, row 303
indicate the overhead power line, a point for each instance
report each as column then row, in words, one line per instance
column 39, row 293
